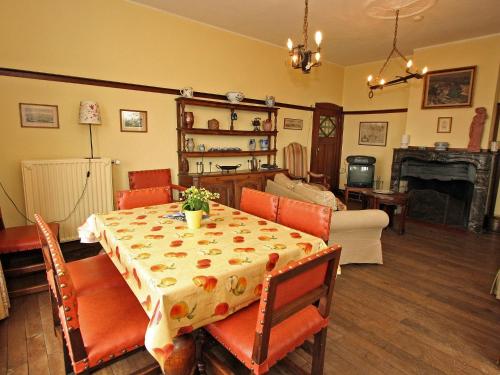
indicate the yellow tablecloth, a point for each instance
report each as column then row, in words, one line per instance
column 185, row 278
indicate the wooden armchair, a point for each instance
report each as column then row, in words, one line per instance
column 128, row 199
column 152, row 178
column 294, row 305
column 100, row 317
column 295, row 159
column 260, row 204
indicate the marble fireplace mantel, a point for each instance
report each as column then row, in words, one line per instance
column 482, row 161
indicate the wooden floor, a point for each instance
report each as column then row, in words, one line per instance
column 427, row 310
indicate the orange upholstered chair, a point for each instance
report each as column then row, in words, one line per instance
column 260, row 204
column 152, row 178
column 98, row 323
column 307, row 217
column 294, row 305
column 22, row 238
column 128, row 199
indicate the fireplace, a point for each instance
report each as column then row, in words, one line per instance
column 445, row 187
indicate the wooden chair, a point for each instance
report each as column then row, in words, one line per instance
column 152, row 178
column 100, row 323
column 294, row 305
column 22, row 239
column 307, row 217
column 295, row 160
column 260, row 204
column 128, row 199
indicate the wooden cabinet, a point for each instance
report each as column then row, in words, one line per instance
column 229, row 185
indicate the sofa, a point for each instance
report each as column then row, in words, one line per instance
column 357, row 231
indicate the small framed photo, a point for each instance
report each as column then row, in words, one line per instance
column 449, row 88
column 42, row 116
column 293, row 123
column 444, row 124
column 133, row 121
column 373, row 133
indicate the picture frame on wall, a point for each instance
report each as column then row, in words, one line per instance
column 133, row 121
column 449, row 88
column 293, row 123
column 444, row 124
column 373, row 133
column 43, row 116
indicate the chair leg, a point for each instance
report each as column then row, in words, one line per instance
column 55, row 315
column 200, row 341
column 67, row 360
column 318, row 359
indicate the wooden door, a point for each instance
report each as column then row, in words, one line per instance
column 252, row 182
column 327, row 141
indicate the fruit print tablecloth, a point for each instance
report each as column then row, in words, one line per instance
column 185, row 278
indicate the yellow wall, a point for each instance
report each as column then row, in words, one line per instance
column 122, row 41
column 421, row 123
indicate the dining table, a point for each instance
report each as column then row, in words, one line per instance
column 185, row 278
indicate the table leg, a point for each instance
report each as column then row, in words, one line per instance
column 182, row 360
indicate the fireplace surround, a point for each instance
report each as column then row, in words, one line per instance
column 448, row 187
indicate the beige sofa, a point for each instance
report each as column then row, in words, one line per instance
column 357, row 231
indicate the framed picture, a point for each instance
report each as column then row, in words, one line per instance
column 444, row 124
column 133, row 121
column 39, row 116
column 373, row 133
column 293, row 123
column 449, row 88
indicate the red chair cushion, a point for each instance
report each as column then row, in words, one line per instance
column 111, row 320
column 95, row 272
column 260, row 204
column 22, row 238
column 143, row 197
column 237, row 333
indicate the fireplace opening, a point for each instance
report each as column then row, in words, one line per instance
column 439, row 192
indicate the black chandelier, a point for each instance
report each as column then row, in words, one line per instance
column 301, row 57
column 379, row 82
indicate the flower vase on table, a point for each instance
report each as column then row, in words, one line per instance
column 196, row 201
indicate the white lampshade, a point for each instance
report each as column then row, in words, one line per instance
column 90, row 113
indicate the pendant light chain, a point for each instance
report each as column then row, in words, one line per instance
column 306, row 23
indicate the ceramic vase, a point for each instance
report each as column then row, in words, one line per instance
column 188, row 120
column 267, row 125
column 264, row 144
column 193, row 219
column 270, row 100
column 251, row 145
column 190, row 144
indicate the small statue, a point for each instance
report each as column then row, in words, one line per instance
column 476, row 130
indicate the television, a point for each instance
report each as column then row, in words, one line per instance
column 361, row 171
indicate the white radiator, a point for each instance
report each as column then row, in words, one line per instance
column 52, row 189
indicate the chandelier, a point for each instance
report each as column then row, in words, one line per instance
column 379, row 82
column 301, row 57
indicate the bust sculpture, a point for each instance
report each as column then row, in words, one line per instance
column 476, row 130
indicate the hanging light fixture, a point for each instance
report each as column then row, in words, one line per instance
column 379, row 82
column 300, row 56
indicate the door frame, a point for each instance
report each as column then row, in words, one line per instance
column 334, row 182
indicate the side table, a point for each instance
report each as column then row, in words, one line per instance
column 363, row 191
column 394, row 199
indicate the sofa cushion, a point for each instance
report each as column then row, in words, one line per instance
column 283, row 180
column 324, row 198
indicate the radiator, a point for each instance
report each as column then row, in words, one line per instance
column 52, row 189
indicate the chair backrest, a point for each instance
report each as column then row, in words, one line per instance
column 288, row 290
column 128, row 199
column 296, row 160
column 260, row 204
column 307, row 217
column 149, row 178
column 65, row 294
column 2, row 225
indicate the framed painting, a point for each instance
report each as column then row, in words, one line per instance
column 293, row 123
column 133, row 121
column 41, row 116
column 373, row 133
column 444, row 124
column 449, row 88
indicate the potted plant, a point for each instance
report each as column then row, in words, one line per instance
column 195, row 203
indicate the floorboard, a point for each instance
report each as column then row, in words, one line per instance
column 427, row 310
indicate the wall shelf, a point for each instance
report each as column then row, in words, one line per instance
column 228, row 132
column 211, row 154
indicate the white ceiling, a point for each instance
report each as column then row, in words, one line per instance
column 350, row 36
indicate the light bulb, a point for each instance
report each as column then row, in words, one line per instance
column 317, row 56
column 409, row 64
column 318, row 37
column 382, row 81
column 289, row 44
column 370, row 78
column 424, row 71
column 294, row 58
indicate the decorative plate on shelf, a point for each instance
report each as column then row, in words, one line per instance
column 377, row 191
